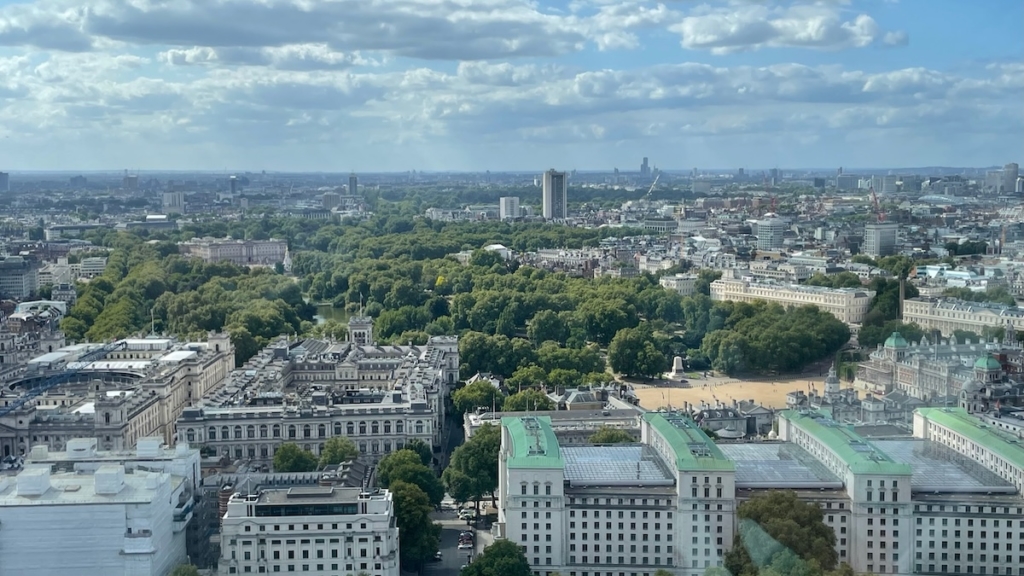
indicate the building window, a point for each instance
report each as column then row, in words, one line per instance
column 350, row 429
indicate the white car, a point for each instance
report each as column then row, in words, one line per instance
column 465, row 545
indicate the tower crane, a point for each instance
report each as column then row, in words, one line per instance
column 63, row 376
column 650, row 190
column 878, row 209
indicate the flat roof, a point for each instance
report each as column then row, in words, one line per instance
column 859, row 455
column 778, row 465
column 617, row 465
column 958, row 420
column 534, row 444
column 49, row 357
column 68, row 489
column 178, row 356
column 692, row 447
column 938, row 468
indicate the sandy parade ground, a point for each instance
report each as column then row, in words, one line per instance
column 771, row 394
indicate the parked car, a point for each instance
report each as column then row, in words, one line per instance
column 465, row 545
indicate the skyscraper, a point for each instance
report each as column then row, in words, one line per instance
column 233, row 182
column 1010, row 173
column 5, row 182
column 555, row 197
column 508, row 207
column 353, row 185
column 645, row 169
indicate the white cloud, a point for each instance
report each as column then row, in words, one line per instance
column 754, row 26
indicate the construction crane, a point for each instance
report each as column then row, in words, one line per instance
column 647, row 196
column 62, row 377
column 878, row 209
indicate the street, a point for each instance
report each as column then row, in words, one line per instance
column 452, row 559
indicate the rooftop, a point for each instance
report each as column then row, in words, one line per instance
column 619, row 465
column 941, row 469
column 958, row 420
column 778, row 465
column 859, row 455
column 78, row 489
column 533, row 443
column 692, row 447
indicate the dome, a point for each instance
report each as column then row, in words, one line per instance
column 972, row 387
column 987, row 363
column 896, row 341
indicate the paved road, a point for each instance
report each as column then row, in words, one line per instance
column 452, row 559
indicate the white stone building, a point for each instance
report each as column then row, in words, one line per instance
column 240, row 252
column 683, row 284
column 102, row 521
column 847, row 304
column 947, row 315
column 317, row 530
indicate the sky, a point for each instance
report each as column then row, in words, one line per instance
column 473, row 85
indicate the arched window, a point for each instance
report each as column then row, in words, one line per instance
column 250, row 431
column 321, row 430
column 307, row 431
column 263, row 430
column 224, row 434
column 362, row 428
column 238, row 433
column 400, row 427
column 350, row 428
column 212, row 433
column 374, row 428
column 190, row 435
column 337, row 428
column 387, row 446
column 419, row 427
column 387, row 427
column 362, row 447
column 374, row 447
column 106, row 417
column 276, row 431
column 291, row 430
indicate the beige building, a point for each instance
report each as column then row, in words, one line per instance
column 241, row 252
column 847, row 304
column 134, row 392
column 683, row 284
column 947, row 315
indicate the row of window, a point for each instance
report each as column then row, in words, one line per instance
column 300, row 568
column 645, row 560
column 996, row 558
column 274, row 431
column 970, row 569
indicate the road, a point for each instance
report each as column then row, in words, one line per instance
column 452, row 559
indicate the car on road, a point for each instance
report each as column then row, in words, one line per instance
column 465, row 545
column 464, row 566
column 466, row 534
column 437, row 556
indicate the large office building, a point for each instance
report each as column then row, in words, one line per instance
column 948, row 315
column 943, row 501
column 1010, row 174
column 770, row 233
column 353, row 185
column 240, row 252
column 880, row 239
column 19, row 277
column 555, row 195
column 317, row 530
column 91, row 521
column 847, row 304
column 508, row 207
column 306, row 391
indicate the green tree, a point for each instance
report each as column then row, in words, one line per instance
column 704, row 279
column 781, row 532
column 185, row 570
column 290, row 458
column 337, row 450
column 422, row 450
column 632, row 352
column 529, row 399
column 546, row 326
column 473, row 470
column 503, row 558
column 417, row 533
column 526, row 377
column 609, row 435
column 406, row 466
column 473, row 396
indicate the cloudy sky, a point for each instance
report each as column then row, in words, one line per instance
column 389, row 85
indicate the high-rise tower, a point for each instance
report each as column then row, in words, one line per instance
column 555, row 195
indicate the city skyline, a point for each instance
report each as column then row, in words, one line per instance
column 506, row 85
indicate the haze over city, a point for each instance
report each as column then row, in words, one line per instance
column 507, row 84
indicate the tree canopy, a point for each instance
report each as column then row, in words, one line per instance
column 632, row 352
column 418, row 535
column 478, row 394
column 503, row 558
column 406, row 466
column 530, row 399
column 185, row 570
column 473, row 470
column 609, row 435
column 290, row 458
column 337, row 450
column 781, row 535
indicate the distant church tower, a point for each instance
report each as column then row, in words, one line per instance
column 832, row 385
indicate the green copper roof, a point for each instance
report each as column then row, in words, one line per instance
column 958, row 420
column 987, row 362
column 693, row 449
column 896, row 341
column 859, row 455
column 533, row 443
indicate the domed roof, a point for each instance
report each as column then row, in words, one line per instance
column 972, row 387
column 896, row 341
column 987, row 363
